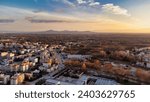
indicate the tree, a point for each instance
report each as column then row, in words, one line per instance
column 142, row 75
column 97, row 64
column 84, row 67
column 103, row 54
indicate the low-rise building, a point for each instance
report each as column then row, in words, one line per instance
column 46, row 65
column 148, row 65
column 4, row 79
column 10, row 55
column 17, row 79
column 28, row 76
column 14, row 67
column 24, row 66
column 4, row 54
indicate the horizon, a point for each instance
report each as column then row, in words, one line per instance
column 57, row 32
column 106, row 16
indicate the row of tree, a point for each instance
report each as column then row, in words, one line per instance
column 138, row 74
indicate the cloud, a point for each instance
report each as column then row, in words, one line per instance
column 19, row 14
column 83, row 14
column 95, row 7
column 90, row 11
column 67, row 2
column 117, row 10
column 81, row 1
column 49, row 21
column 94, row 4
column 13, row 13
column 7, row 20
column 88, row 2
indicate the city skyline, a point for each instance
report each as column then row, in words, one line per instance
column 75, row 15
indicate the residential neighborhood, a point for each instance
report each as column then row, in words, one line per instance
column 33, row 63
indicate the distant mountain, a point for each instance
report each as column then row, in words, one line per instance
column 65, row 32
column 50, row 32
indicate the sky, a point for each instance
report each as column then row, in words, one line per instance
column 75, row 15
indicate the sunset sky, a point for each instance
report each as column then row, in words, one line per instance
column 75, row 15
